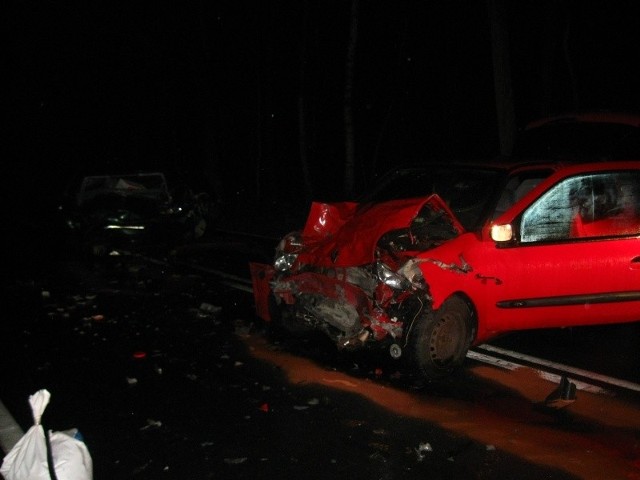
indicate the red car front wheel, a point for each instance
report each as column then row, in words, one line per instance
column 440, row 339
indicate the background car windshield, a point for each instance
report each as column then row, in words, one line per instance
column 469, row 192
column 142, row 185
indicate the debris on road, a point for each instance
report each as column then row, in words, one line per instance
column 151, row 423
column 422, row 448
column 207, row 308
column 235, row 461
column 563, row 396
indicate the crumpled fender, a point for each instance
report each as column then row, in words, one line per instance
column 346, row 234
column 261, row 276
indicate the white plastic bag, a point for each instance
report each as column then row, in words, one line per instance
column 27, row 460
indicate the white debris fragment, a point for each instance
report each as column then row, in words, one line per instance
column 422, row 448
column 300, row 407
column 132, row 380
column 152, row 423
column 235, row 461
column 208, row 308
column 313, row 401
column 491, row 448
column 46, row 294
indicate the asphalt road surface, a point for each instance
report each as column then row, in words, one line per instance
column 167, row 374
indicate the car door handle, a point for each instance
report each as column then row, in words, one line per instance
column 635, row 263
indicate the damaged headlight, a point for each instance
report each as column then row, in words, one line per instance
column 391, row 278
column 407, row 277
column 411, row 271
column 287, row 251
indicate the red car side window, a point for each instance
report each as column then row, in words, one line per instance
column 586, row 206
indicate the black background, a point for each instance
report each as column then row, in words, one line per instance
column 208, row 91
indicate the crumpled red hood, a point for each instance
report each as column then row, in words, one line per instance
column 346, row 234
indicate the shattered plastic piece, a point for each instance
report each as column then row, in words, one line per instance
column 422, row 448
column 151, row 423
column 235, row 461
column 208, row 308
column 139, row 355
column 46, row 294
column 378, row 457
column 562, row 396
column 97, row 318
column 132, row 380
column 264, row 407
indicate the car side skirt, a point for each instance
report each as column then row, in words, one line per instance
column 569, row 300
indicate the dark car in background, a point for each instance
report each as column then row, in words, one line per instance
column 122, row 213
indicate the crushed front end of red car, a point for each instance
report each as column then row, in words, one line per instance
column 352, row 272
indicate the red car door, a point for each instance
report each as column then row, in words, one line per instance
column 549, row 277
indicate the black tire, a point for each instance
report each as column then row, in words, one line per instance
column 440, row 340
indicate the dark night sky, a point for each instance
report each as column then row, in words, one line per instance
column 209, row 90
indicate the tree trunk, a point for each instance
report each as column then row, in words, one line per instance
column 349, row 170
column 502, row 75
column 302, row 108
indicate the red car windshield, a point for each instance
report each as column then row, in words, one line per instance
column 469, row 192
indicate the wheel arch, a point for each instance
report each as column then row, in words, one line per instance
column 473, row 313
column 442, row 336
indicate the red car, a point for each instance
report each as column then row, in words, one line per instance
column 444, row 257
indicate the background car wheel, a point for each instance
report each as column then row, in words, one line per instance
column 441, row 339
